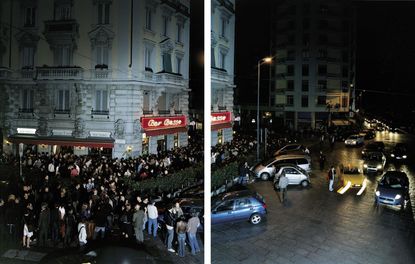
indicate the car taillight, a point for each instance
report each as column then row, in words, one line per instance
column 264, row 205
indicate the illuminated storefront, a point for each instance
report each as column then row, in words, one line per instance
column 221, row 127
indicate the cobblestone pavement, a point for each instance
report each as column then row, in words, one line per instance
column 317, row 226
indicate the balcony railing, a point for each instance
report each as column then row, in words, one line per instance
column 220, row 74
column 27, row 73
column 100, row 112
column 59, row 73
column 56, row 27
column 26, row 110
column 169, row 78
column 62, row 111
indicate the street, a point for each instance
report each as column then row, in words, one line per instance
column 318, row 226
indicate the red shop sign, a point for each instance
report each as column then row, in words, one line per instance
column 152, row 123
column 220, row 118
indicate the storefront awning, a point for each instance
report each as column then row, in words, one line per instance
column 221, row 126
column 63, row 141
column 158, row 132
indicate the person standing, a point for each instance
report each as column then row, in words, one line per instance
column 29, row 221
column 322, row 160
column 244, row 174
column 138, row 221
column 192, row 225
column 282, row 184
column 82, row 236
column 43, row 224
column 152, row 219
column 170, row 220
column 332, row 175
column 181, row 229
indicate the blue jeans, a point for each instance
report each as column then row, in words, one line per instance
column 152, row 222
column 182, row 239
column 194, row 245
column 169, row 238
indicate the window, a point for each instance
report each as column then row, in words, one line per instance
column 178, row 65
column 322, row 69
column 212, row 57
column 291, row 54
column 102, row 55
column 147, row 58
column 225, row 206
column 148, row 18
column 306, row 39
column 306, row 54
column 290, row 100
column 101, row 100
column 290, row 85
column 345, row 86
column 166, row 57
column 291, row 39
column 321, row 100
column 322, row 85
column 305, row 69
column 30, row 17
column 322, row 53
column 223, row 25
column 27, row 99
column 63, row 56
column 290, row 70
column 103, row 13
column 222, row 60
column 165, row 25
column 243, row 203
column 63, row 12
column 146, row 101
column 304, row 86
column 63, row 100
column 28, row 55
column 179, row 33
column 304, row 101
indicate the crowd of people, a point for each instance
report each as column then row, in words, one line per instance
column 66, row 200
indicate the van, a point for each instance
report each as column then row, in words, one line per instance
column 266, row 169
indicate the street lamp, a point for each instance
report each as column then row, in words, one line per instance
column 261, row 61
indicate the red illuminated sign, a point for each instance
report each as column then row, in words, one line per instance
column 220, row 118
column 153, row 123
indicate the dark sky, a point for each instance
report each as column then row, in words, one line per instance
column 385, row 54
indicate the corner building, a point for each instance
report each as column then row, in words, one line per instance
column 94, row 76
column 222, row 70
column 314, row 72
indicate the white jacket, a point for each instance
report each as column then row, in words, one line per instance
column 82, row 233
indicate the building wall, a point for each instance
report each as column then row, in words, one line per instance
column 124, row 80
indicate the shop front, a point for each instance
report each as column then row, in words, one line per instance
column 163, row 133
column 221, row 128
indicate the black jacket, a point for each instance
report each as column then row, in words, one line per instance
column 169, row 218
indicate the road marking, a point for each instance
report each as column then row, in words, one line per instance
column 344, row 189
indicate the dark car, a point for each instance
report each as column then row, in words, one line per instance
column 192, row 192
column 369, row 134
column 399, row 152
column 377, row 146
column 393, row 189
column 238, row 206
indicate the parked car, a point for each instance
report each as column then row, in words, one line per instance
column 287, row 149
column 374, row 162
column 368, row 134
column 266, row 169
column 352, row 177
column 294, row 174
column 238, row 206
column 354, row 140
column 373, row 146
column 393, row 189
column 399, row 152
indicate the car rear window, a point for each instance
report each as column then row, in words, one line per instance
column 302, row 161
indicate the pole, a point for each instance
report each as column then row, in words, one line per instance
column 257, row 112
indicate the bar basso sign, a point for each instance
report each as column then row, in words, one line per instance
column 151, row 123
column 220, row 118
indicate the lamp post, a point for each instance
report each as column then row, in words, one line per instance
column 261, row 61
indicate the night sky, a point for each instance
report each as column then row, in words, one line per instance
column 385, row 54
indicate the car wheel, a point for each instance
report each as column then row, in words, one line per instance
column 265, row 176
column 255, row 219
column 304, row 184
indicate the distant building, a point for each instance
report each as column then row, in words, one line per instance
column 314, row 68
column 222, row 71
column 94, row 76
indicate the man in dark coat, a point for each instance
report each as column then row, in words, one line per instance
column 43, row 225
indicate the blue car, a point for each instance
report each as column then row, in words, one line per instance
column 236, row 206
column 393, row 189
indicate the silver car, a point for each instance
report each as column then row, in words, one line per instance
column 374, row 162
column 354, row 140
column 295, row 175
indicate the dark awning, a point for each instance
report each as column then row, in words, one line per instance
column 63, row 141
column 158, row 132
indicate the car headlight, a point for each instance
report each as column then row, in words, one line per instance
column 377, row 193
column 404, row 156
column 379, row 166
column 363, row 152
column 398, row 196
column 364, row 165
column 345, row 142
column 392, row 155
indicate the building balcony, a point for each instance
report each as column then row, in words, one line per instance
column 61, row 112
column 100, row 112
column 5, row 73
column 60, row 28
column 100, row 73
column 168, row 78
column 59, row 73
column 220, row 75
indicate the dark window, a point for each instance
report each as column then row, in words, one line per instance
column 304, row 101
column 167, row 62
column 302, row 161
column 290, row 85
column 290, row 100
column 304, row 86
column 30, row 17
column 291, row 24
column 322, row 69
column 306, row 53
column 322, row 85
column 321, row 100
column 225, row 206
column 345, row 86
column 322, row 53
column 305, row 70
column 322, row 39
column 291, row 54
column 306, row 39
column 290, row 70
column 324, row 9
column 291, row 39
column 345, row 72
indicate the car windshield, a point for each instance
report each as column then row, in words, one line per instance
column 391, row 182
column 374, row 157
column 351, row 170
